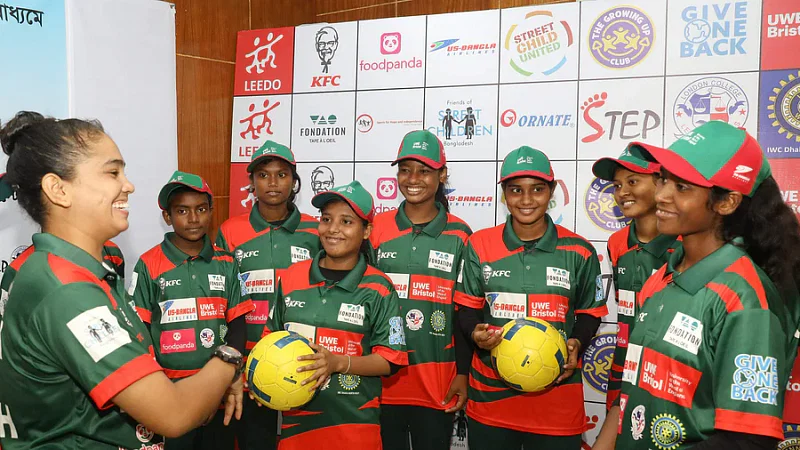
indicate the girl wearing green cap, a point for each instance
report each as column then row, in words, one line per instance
column 528, row 267
column 419, row 246
column 265, row 242
column 349, row 312
column 73, row 355
column 710, row 350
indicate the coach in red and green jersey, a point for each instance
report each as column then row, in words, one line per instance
column 420, row 245
column 349, row 310
column 709, row 353
column 187, row 291
column 267, row 240
column 112, row 255
column 528, row 267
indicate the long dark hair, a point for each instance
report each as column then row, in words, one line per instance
column 297, row 183
column 37, row 145
column 770, row 231
column 441, row 195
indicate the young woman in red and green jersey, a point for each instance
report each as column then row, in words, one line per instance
column 266, row 241
column 636, row 252
column 71, row 358
column 187, row 291
column 112, row 256
column 350, row 313
column 528, row 267
column 709, row 353
column 420, row 246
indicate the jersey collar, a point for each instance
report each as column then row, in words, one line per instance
column 546, row 243
column 657, row 247
column 290, row 224
column 177, row 256
column 700, row 274
column 63, row 249
column 349, row 283
column 433, row 229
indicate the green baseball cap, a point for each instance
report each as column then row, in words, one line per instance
column 631, row 158
column 354, row 194
column 715, row 154
column 270, row 149
column 423, row 146
column 526, row 162
column 6, row 190
column 183, row 179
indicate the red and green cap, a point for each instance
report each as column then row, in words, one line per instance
column 179, row 180
column 631, row 158
column 715, row 154
column 270, row 149
column 423, row 146
column 354, row 194
column 526, row 162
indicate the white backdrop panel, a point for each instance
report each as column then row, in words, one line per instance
column 463, row 48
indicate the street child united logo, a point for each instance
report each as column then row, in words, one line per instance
column 621, row 37
column 538, row 44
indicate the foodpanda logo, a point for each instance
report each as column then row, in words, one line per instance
column 489, row 273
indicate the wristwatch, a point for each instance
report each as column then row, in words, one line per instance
column 231, row 356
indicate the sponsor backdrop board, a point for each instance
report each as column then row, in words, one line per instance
column 579, row 81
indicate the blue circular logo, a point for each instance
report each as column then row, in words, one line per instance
column 438, row 321
column 349, row 382
column 667, row 432
column 597, row 360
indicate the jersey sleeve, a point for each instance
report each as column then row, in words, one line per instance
column 749, row 373
column 239, row 302
column 589, row 297
column 469, row 291
column 144, row 292
column 221, row 242
column 387, row 334
column 77, row 328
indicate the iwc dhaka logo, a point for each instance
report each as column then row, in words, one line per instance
column 438, row 321
column 784, row 107
column 538, row 44
column 602, row 208
column 792, row 438
column 597, row 360
column 710, row 98
column 621, row 37
column 349, row 382
column 667, row 432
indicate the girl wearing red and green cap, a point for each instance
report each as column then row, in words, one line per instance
column 636, row 252
column 266, row 241
column 710, row 350
column 349, row 311
column 528, row 267
column 419, row 246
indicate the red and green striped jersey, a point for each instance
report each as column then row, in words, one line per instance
column 188, row 302
column 357, row 316
column 67, row 348
column 709, row 350
column 554, row 280
column 423, row 264
column 263, row 253
column 632, row 263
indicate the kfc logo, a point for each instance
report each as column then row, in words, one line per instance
column 390, row 43
column 387, row 188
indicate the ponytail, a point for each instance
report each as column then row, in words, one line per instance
column 441, row 197
column 770, row 231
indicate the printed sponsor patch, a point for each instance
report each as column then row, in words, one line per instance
column 216, row 282
column 755, row 379
column 352, row 314
column 340, row 342
column 631, row 368
column 685, row 332
column 211, row 308
column 400, row 281
column 622, row 335
column 99, row 332
column 260, row 314
column 397, row 335
column 626, row 302
column 431, row 289
column 259, row 281
column 134, row 282
column 461, row 272
column 507, row 305
column 557, row 277
column 300, row 254
column 552, row 308
column 415, row 319
column 441, row 261
column 667, row 378
column 207, row 337
column 178, row 341
column 178, row 310
column 307, row 331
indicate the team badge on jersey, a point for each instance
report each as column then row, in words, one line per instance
column 414, row 319
column 207, row 337
column 630, row 370
column 216, row 282
column 667, row 432
column 438, row 321
column 143, row 434
column 99, row 332
column 638, row 421
column 349, row 382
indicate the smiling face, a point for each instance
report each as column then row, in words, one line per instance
column 189, row 214
column 682, row 207
column 418, row 182
column 527, row 199
column 341, row 231
column 273, row 182
column 634, row 193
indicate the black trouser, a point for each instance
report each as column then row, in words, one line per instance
column 213, row 436
column 258, row 429
column 430, row 429
column 482, row 436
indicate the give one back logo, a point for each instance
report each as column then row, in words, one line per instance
column 718, row 29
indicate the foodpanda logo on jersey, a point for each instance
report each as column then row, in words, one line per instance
column 178, row 310
column 259, row 281
column 718, row 29
column 489, row 273
column 507, row 305
column 178, row 341
column 755, row 379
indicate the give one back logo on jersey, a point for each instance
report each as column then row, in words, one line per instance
column 755, row 379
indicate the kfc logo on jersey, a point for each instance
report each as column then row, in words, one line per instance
column 489, row 273
column 178, row 341
column 216, row 282
column 259, row 281
column 293, row 303
column 400, row 281
column 625, row 302
column 178, row 310
column 386, row 255
column 507, row 305
column 441, row 261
